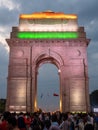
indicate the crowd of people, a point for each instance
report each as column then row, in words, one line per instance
column 48, row 121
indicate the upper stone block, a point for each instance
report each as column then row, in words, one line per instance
column 48, row 21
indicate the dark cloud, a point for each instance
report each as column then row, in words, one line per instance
column 4, row 58
column 88, row 11
column 93, row 65
column 8, row 17
column 3, row 70
column 47, row 70
column 92, row 30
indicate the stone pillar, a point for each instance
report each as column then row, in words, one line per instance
column 65, row 100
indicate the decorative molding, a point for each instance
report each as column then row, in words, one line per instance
column 48, row 42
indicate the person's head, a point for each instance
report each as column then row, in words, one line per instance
column 47, row 124
column 6, row 115
column 12, row 122
column 89, row 127
column 54, row 118
column 65, row 116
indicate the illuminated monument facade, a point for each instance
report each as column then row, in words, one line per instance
column 48, row 37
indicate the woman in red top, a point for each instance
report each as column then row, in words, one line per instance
column 3, row 125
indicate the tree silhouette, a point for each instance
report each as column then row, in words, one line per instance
column 94, row 98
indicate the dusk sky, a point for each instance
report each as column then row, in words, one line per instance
column 87, row 11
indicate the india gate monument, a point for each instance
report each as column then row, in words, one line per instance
column 48, row 37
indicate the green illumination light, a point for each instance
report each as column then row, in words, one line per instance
column 47, row 35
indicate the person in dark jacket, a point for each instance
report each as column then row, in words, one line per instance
column 21, row 122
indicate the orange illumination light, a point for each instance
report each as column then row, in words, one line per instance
column 48, row 14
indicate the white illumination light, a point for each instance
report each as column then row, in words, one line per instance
column 25, row 25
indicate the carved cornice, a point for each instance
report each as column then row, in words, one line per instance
column 48, row 42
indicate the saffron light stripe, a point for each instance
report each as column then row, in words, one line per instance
column 48, row 15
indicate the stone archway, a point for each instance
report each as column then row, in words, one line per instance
column 48, row 37
column 43, row 58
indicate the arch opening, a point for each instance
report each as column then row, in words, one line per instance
column 48, row 87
